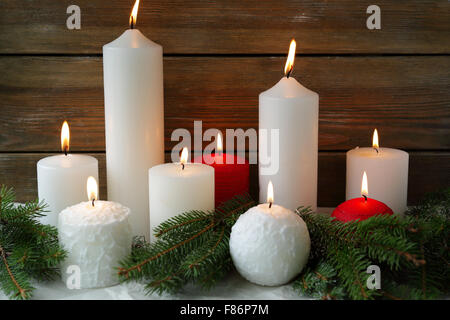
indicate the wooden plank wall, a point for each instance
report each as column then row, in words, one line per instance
column 218, row 56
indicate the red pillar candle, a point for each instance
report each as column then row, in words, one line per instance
column 360, row 208
column 231, row 173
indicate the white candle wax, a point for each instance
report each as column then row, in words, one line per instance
column 269, row 246
column 387, row 173
column 96, row 238
column 134, row 120
column 62, row 182
column 293, row 110
column 174, row 190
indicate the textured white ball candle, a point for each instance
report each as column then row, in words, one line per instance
column 269, row 245
column 97, row 237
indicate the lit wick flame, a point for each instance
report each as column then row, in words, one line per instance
column 375, row 143
column 65, row 137
column 92, row 189
column 184, row 157
column 364, row 187
column 133, row 15
column 270, row 194
column 289, row 66
column 219, row 143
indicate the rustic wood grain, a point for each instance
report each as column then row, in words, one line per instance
column 230, row 26
column 429, row 171
column 406, row 98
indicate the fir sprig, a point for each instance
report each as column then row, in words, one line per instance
column 319, row 281
column 412, row 253
column 28, row 249
column 191, row 247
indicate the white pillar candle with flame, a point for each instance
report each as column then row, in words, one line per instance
column 269, row 244
column 175, row 188
column 97, row 236
column 134, row 119
column 62, row 178
column 291, row 161
column 387, row 170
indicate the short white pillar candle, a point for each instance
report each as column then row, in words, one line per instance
column 97, row 236
column 269, row 244
column 62, row 179
column 175, row 188
column 387, row 172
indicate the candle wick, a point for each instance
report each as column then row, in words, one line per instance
column 132, row 23
column 376, row 149
column 182, row 166
column 365, row 197
column 270, row 205
column 65, row 151
column 93, row 202
column 288, row 73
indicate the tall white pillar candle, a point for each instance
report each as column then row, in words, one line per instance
column 293, row 110
column 97, row 236
column 387, row 173
column 134, row 120
column 179, row 187
column 62, row 179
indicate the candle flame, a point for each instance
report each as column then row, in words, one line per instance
column 375, row 143
column 270, row 193
column 184, row 156
column 290, row 59
column 133, row 15
column 219, row 143
column 92, row 189
column 364, row 186
column 65, row 137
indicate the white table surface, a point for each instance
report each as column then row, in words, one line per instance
column 232, row 287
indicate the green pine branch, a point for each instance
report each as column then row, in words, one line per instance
column 412, row 253
column 319, row 281
column 28, row 249
column 191, row 247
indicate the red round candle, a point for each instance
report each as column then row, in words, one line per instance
column 360, row 208
column 231, row 175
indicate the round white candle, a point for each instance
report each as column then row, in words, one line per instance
column 387, row 172
column 293, row 110
column 269, row 245
column 62, row 181
column 96, row 238
column 174, row 190
column 134, row 120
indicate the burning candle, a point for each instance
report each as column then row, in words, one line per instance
column 269, row 244
column 175, row 188
column 231, row 173
column 360, row 208
column 388, row 172
column 293, row 111
column 97, row 236
column 61, row 179
column 134, row 119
